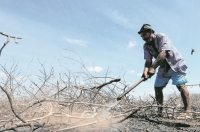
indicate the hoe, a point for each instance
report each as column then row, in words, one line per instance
column 131, row 88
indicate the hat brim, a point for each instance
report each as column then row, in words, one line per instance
column 145, row 30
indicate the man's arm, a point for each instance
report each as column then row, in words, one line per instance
column 147, row 65
column 159, row 60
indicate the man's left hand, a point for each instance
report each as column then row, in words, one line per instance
column 151, row 72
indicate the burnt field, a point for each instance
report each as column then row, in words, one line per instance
column 83, row 102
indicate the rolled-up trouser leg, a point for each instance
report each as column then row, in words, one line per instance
column 185, row 97
column 159, row 98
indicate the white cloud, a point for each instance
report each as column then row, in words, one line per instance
column 119, row 18
column 76, row 42
column 132, row 72
column 131, row 44
column 95, row 69
column 139, row 74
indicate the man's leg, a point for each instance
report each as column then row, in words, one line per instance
column 160, row 83
column 185, row 97
column 159, row 98
column 179, row 79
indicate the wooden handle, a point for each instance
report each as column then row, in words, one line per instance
column 131, row 88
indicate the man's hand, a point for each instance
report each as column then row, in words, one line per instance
column 151, row 72
column 145, row 74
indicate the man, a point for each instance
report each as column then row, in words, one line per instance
column 171, row 65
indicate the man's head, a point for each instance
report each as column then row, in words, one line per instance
column 147, row 33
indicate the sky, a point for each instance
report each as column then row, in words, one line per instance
column 100, row 33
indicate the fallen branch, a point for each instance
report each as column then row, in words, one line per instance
column 23, row 125
column 169, row 124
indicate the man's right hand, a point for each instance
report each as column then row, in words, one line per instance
column 145, row 74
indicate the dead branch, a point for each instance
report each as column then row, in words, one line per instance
column 11, row 104
column 31, row 125
column 166, row 123
column 8, row 40
column 102, row 85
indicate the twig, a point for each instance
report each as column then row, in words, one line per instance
column 193, row 85
column 8, row 40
